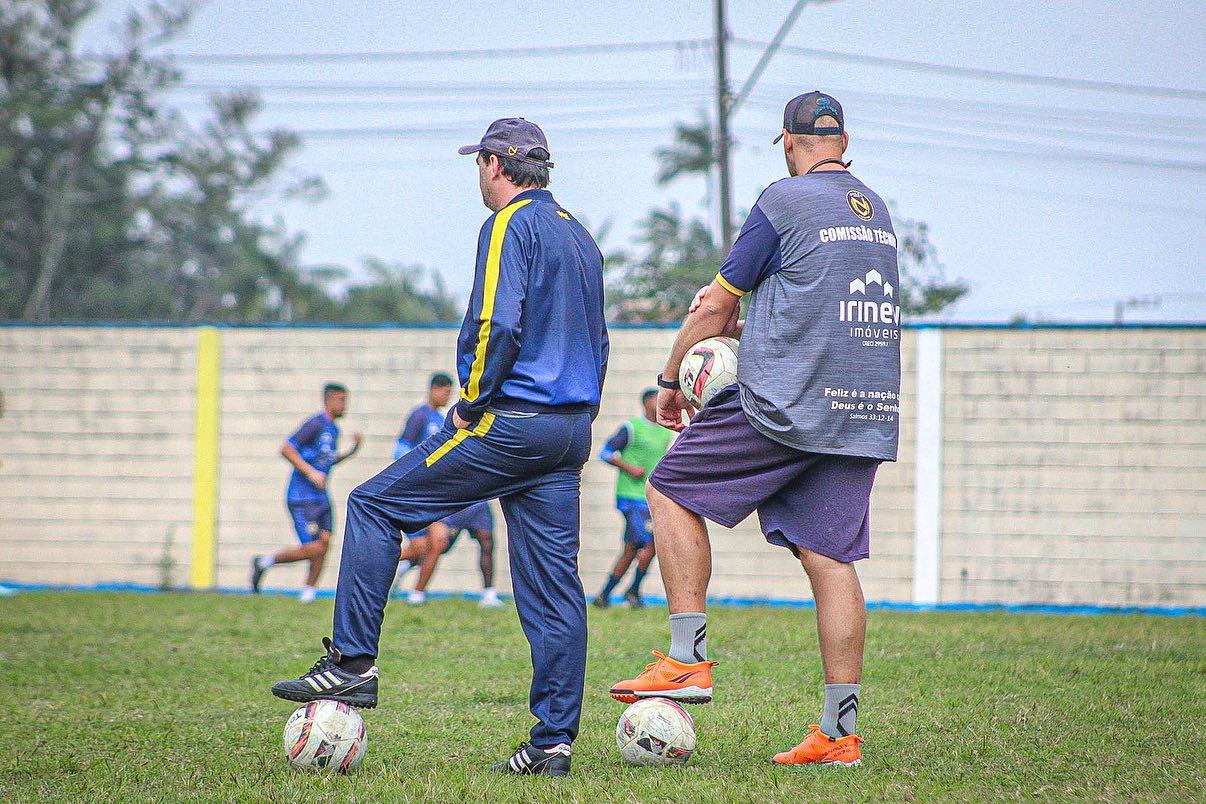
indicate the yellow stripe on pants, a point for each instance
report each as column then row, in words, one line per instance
column 481, row 429
column 205, row 459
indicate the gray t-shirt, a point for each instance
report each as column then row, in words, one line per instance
column 820, row 355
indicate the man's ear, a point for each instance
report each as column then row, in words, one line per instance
column 845, row 141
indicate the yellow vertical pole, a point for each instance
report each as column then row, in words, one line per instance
column 205, row 460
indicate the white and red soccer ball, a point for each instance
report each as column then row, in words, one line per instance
column 325, row 737
column 710, row 365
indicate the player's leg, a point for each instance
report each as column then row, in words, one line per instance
column 824, row 519
column 307, row 520
column 319, row 553
column 543, row 542
column 603, row 599
column 485, row 563
column 412, row 556
column 721, row 469
column 542, row 528
column 644, row 558
column 426, row 485
column 324, row 517
column 438, row 539
column 641, row 528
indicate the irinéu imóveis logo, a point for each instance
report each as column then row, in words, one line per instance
column 860, row 205
column 877, row 319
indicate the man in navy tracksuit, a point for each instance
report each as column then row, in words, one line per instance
column 531, row 358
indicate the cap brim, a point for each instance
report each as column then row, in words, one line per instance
column 465, row 150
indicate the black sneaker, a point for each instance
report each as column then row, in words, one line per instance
column 600, row 602
column 257, row 575
column 634, row 599
column 528, row 760
column 326, row 680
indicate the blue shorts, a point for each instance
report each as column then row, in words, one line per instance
column 638, row 524
column 475, row 517
column 311, row 519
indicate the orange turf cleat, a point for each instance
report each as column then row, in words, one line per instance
column 668, row 678
column 821, row 749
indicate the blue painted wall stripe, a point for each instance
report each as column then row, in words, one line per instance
column 736, row 602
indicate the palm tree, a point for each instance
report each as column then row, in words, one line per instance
column 691, row 154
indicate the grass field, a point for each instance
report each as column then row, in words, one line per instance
column 165, row 697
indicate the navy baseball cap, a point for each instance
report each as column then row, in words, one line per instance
column 513, row 137
column 801, row 113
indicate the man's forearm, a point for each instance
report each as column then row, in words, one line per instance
column 706, row 322
column 623, row 465
column 294, row 457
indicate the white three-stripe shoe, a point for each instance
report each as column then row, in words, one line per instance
column 326, row 680
column 528, row 760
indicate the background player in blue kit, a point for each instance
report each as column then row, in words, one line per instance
column 312, row 450
column 426, row 419
column 634, row 450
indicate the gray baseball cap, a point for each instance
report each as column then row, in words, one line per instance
column 513, row 137
column 800, row 115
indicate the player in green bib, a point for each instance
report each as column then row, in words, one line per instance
column 634, row 450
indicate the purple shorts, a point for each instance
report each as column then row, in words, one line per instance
column 723, row 469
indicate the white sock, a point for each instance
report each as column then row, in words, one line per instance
column 264, row 562
column 307, row 594
column 404, row 566
column 416, row 597
column 489, row 591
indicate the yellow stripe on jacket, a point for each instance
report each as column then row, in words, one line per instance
column 489, row 289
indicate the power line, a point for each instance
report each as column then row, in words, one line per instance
column 1061, row 154
column 959, row 127
column 1044, row 111
column 445, row 87
column 436, row 90
column 328, row 57
column 677, row 45
column 981, row 73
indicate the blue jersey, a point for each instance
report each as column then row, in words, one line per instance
column 317, row 441
column 422, row 423
column 533, row 338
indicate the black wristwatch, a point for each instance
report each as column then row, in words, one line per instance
column 670, row 385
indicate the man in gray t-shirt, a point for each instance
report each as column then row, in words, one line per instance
column 800, row 436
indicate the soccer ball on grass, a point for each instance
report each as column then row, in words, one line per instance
column 655, row 731
column 325, row 737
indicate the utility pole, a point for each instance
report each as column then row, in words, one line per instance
column 722, row 130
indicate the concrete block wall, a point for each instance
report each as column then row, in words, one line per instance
column 1073, row 460
column 1075, row 466
column 96, row 468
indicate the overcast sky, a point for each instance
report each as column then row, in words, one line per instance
column 1060, row 231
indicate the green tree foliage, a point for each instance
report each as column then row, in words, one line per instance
column 675, row 256
column 114, row 206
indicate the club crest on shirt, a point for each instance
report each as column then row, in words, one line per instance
column 860, row 205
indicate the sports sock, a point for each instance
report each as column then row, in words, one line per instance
column 689, row 637
column 841, row 708
column 356, row 664
column 403, row 567
column 612, row 582
column 264, row 562
column 637, row 577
